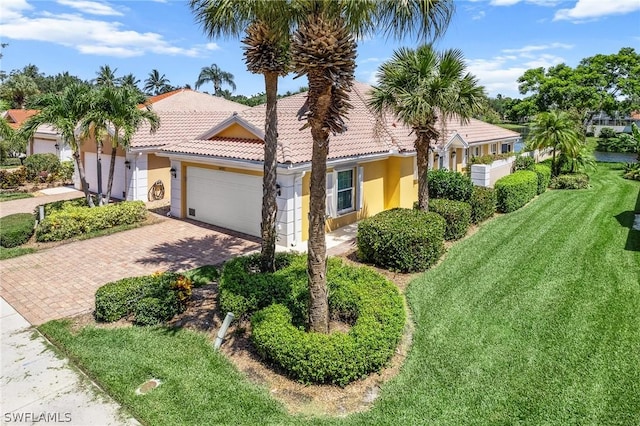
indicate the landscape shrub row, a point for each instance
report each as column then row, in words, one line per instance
column 457, row 215
column 405, row 240
column 515, row 190
column 151, row 299
column 37, row 168
column 450, row 185
column 10, row 179
column 570, row 181
column 71, row 220
column 358, row 295
column 483, row 204
column 16, row 229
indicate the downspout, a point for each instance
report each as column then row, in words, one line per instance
column 297, row 231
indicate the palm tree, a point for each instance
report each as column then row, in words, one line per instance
column 116, row 113
column 64, row 111
column 555, row 130
column 216, row 76
column 156, row 84
column 323, row 48
column 18, row 89
column 107, row 76
column 422, row 88
column 266, row 39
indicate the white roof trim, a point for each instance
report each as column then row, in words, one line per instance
column 234, row 119
column 455, row 138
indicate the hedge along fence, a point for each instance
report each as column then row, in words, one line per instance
column 71, row 220
column 516, row 190
column 544, row 177
column 483, row 203
column 151, row 299
column 457, row 214
column 405, row 240
column 357, row 295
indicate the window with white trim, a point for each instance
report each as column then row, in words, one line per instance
column 494, row 148
column 345, row 191
column 506, row 148
column 476, row 151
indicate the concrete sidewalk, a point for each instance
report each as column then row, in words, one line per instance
column 44, row 196
column 37, row 386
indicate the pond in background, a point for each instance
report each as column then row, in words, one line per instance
column 616, row 157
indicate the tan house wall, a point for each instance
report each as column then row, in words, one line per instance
column 158, row 169
column 237, row 131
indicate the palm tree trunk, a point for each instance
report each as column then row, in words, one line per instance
column 317, row 248
column 99, row 172
column 422, row 154
column 269, row 178
column 554, row 167
column 83, row 178
column 112, row 168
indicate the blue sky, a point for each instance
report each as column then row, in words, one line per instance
column 499, row 38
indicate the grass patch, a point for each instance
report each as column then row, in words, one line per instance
column 535, row 319
column 8, row 253
column 8, row 196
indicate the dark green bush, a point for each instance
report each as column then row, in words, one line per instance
column 607, row 133
column 13, row 179
column 358, row 295
column 37, row 163
column 450, row 185
column 622, row 143
column 202, row 275
column 457, row 214
column 523, row 163
column 544, row 177
column 16, row 229
column 66, row 170
column 120, row 298
column 71, row 221
column 570, row 181
column 243, row 289
column 516, row 190
column 404, row 240
column 483, row 203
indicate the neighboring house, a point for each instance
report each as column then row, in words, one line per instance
column 617, row 122
column 217, row 176
column 45, row 141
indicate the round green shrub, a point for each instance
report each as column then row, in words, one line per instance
column 153, row 311
column 516, row 190
column 359, row 295
column 457, row 214
column 16, row 229
column 10, row 179
column 570, row 181
column 483, row 203
column 405, row 240
column 544, row 177
column 523, row 162
column 450, row 185
column 37, row 163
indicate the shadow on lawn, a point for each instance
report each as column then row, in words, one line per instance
column 627, row 219
column 207, row 250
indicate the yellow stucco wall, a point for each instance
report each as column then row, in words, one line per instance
column 158, row 169
column 386, row 184
column 236, row 131
column 89, row 145
column 182, row 173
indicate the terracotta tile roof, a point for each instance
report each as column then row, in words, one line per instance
column 177, row 126
column 365, row 134
column 16, row 117
column 189, row 100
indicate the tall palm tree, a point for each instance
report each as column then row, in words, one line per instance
column 323, row 48
column 217, row 76
column 117, row 113
column 107, row 76
column 423, row 88
column 267, row 25
column 64, row 111
column 156, row 84
column 18, row 89
column 555, row 130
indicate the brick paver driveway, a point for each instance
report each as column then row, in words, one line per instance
column 62, row 281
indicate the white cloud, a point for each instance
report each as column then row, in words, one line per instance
column 87, row 36
column 91, row 7
column 479, row 15
column 549, row 3
column 585, row 10
column 538, row 47
column 503, row 2
column 370, row 60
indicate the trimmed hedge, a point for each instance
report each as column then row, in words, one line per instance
column 516, row 190
column 13, row 179
column 457, row 214
column 544, row 177
column 523, row 163
column 169, row 291
column 359, row 295
column 405, row 240
column 484, row 202
column 570, row 181
column 16, row 229
column 449, row 185
column 71, row 221
column 38, row 163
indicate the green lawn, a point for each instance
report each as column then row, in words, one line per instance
column 533, row 320
column 8, row 196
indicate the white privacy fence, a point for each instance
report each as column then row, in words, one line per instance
column 487, row 174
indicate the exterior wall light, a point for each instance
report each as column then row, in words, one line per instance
column 173, row 172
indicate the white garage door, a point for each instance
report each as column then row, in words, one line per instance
column 225, row 199
column 90, row 169
column 44, row 146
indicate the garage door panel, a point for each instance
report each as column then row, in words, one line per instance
column 90, row 164
column 229, row 200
